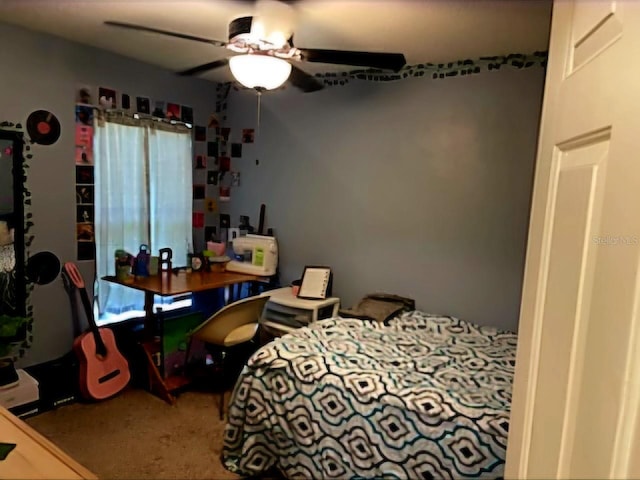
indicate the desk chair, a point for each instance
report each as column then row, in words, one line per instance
column 232, row 325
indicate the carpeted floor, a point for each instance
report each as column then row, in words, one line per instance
column 138, row 436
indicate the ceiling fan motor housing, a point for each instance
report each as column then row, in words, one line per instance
column 239, row 26
column 272, row 36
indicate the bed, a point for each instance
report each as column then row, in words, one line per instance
column 425, row 396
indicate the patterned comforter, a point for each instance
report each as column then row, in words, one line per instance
column 425, row 397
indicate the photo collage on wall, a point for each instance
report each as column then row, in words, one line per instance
column 85, row 182
column 216, row 148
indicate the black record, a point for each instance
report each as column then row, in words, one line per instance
column 43, row 127
column 43, row 268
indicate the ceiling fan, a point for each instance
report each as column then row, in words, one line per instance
column 266, row 60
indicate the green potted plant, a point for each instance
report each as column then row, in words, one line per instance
column 13, row 334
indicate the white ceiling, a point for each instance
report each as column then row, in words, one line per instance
column 424, row 30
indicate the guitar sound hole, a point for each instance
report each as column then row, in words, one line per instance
column 109, row 376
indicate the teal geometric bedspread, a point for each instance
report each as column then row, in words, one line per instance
column 425, row 397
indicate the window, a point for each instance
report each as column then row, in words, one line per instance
column 143, row 195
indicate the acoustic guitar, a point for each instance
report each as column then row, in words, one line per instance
column 103, row 369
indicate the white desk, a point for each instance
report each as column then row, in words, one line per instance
column 285, row 312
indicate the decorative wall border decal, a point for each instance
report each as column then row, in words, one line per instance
column 439, row 70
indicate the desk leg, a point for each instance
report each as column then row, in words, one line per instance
column 151, row 347
column 149, row 321
column 236, row 292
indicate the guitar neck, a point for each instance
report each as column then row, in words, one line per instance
column 101, row 349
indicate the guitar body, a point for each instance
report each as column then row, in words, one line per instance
column 101, row 377
column 104, row 371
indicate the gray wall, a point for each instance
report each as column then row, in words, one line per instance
column 419, row 187
column 43, row 72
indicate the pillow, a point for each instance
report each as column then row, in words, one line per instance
column 381, row 307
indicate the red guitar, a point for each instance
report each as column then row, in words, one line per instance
column 103, row 370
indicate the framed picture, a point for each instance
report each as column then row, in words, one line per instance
column 316, row 283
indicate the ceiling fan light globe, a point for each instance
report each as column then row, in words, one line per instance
column 260, row 71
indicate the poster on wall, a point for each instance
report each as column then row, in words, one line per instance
column 158, row 109
column 211, row 205
column 200, row 133
column 86, row 250
column 85, row 232
column 107, row 97
column 201, row 162
column 198, row 192
column 198, row 219
column 212, row 149
column 173, row 111
column 84, row 214
column 212, row 177
column 225, row 133
column 142, row 105
column 224, row 164
column 84, row 144
column 84, row 175
column 225, row 194
column 236, row 150
column 248, row 135
column 84, row 115
column 126, row 101
column 186, row 114
column 84, row 194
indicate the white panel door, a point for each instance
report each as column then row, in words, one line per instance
column 576, row 399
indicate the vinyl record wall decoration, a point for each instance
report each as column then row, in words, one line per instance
column 43, row 127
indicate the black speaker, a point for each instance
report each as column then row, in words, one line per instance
column 57, row 381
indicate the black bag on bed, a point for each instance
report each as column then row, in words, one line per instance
column 380, row 307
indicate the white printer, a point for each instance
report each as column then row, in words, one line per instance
column 254, row 255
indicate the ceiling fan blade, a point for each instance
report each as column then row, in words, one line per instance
column 204, row 67
column 388, row 61
column 302, row 80
column 142, row 28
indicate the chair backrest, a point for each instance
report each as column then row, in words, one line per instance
column 218, row 327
